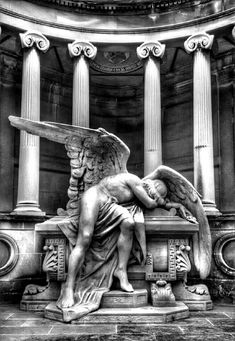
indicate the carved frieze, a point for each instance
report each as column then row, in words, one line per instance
column 178, row 262
column 116, row 59
column 30, row 38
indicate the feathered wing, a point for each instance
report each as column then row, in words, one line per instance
column 182, row 191
column 94, row 154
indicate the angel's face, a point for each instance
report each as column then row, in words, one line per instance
column 156, row 189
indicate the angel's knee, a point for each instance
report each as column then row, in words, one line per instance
column 127, row 226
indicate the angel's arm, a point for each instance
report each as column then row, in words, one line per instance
column 137, row 188
column 180, row 207
column 183, row 210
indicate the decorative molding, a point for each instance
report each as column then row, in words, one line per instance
column 67, row 30
column 120, row 6
column 78, row 48
column 183, row 264
column 198, row 41
column 155, row 49
column 13, row 250
column 55, row 259
column 219, row 253
column 29, row 38
column 177, row 257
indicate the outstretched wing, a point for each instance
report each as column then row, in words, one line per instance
column 182, row 191
column 94, row 153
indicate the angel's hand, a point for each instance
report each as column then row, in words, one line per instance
column 182, row 211
column 187, row 215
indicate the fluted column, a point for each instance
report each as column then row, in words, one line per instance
column 200, row 44
column 152, row 52
column 28, row 180
column 81, row 52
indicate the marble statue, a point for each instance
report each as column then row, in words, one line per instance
column 104, row 219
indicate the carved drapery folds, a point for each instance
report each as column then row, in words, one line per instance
column 81, row 52
column 200, row 45
column 152, row 52
column 28, row 184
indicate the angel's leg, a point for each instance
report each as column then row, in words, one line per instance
column 88, row 216
column 124, row 245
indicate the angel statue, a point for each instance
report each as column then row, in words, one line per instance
column 104, row 219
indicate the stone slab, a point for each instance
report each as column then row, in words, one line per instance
column 146, row 314
column 122, row 299
column 32, row 305
column 199, row 305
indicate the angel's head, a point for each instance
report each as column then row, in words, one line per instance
column 156, row 189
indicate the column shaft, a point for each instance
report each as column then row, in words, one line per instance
column 203, row 139
column 152, row 52
column 152, row 116
column 81, row 52
column 200, row 44
column 81, row 92
column 28, row 180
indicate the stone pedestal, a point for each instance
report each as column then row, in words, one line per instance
column 147, row 314
column 122, row 299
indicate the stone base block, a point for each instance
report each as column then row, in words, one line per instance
column 122, row 299
column 147, row 314
column 199, row 305
column 36, row 297
column 33, row 305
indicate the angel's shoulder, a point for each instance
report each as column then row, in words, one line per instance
column 132, row 179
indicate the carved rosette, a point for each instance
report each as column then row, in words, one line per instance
column 31, row 38
column 154, row 49
column 198, row 41
column 78, row 48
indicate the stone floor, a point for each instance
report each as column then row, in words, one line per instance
column 217, row 324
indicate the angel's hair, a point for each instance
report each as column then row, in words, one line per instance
column 155, row 185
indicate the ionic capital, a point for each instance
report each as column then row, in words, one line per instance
column 155, row 49
column 78, row 48
column 198, row 41
column 29, row 38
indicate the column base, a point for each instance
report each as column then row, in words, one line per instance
column 210, row 209
column 29, row 210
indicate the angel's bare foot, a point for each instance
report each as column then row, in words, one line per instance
column 67, row 299
column 124, row 283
